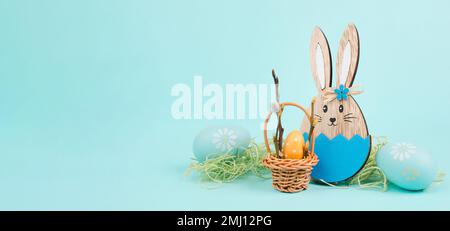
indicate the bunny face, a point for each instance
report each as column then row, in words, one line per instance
column 339, row 117
column 336, row 110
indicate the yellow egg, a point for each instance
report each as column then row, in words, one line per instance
column 293, row 145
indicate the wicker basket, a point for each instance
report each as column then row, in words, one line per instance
column 290, row 175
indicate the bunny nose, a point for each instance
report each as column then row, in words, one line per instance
column 332, row 120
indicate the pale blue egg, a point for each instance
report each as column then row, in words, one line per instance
column 216, row 140
column 407, row 165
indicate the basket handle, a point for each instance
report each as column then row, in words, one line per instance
column 266, row 140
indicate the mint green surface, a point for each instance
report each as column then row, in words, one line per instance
column 85, row 120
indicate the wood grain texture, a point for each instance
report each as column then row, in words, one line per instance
column 350, row 36
column 348, row 123
column 351, row 120
column 318, row 38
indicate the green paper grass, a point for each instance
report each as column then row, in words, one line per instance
column 228, row 167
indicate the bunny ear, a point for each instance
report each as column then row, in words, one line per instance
column 320, row 59
column 347, row 57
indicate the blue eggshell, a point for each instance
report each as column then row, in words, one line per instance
column 339, row 158
column 407, row 165
column 215, row 140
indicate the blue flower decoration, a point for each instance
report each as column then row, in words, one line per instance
column 341, row 93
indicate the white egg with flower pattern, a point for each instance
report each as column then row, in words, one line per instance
column 217, row 140
column 407, row 165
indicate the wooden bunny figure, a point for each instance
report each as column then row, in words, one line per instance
column 342, row 141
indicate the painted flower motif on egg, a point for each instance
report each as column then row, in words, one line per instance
column 410, row 174
column 403, row 151
column 224, row 139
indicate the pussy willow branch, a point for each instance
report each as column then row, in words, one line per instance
column 278, row 139
column 280, row 130
column 312, row 123
column 276, row 80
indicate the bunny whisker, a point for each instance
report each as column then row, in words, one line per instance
column 348, row 114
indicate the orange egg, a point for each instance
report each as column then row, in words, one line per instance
column 293, row 145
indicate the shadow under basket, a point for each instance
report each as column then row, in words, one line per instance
column 290, row 175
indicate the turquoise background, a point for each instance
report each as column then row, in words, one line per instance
column 85, row 120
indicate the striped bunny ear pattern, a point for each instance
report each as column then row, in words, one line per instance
column 347, row 57
column 320, row 59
